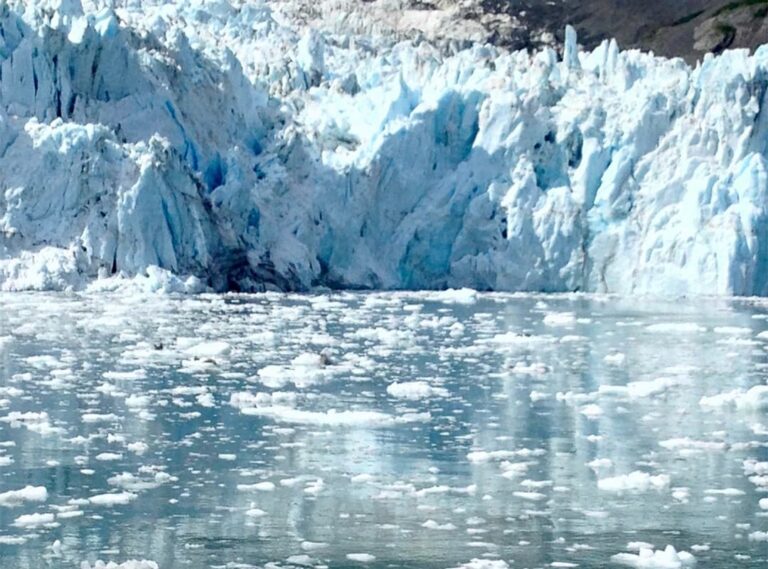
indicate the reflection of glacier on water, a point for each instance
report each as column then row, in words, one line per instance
column 398, row 429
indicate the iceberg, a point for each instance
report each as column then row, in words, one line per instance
column 228, row 145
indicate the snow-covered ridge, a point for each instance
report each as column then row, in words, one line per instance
column 232, row 147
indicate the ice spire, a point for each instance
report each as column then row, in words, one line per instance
column 571, row 49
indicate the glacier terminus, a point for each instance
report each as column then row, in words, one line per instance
column 223, row 145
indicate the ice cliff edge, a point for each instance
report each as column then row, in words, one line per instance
column 226, row 145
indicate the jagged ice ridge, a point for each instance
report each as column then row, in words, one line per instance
column 220, row 144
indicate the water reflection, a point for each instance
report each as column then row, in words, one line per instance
column 545, row 397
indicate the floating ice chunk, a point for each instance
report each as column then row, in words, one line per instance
column 572, row 339
column 274, row 376
column 138, row 447
column 638, row 545
column 754, row 398
column 205, row 400
column 108, row 456
column 600, row 463
column 137, row 401
column 484, row 564
column 432, row 490
column 432, row 524
column 302, row 560
column 732, row 330
column 315, row 487
column 361, row 557
column 264, row 486
column 511, row 470
column 724, row 492
column 243, row 399
column 131, row 564
column 752, row 466
column 454, row 296
column 27, row 417
column 308, row 371
column 362, row 478
column 538, row 395
column 676, row 328
column 209, row 349
column 30, row 521
column 112, row 499
column 309, row 359
column 681, row 494
column 255, row 513
column 702, row 547
column 636, row 481
column 535, row 368
column 670, row 558
column 133, row 483
column 33, row 421
column 479, row 456
column 15, row 498
column 313, row 545
column 414, row 390
column 125, row 375
column 758, row 536
column 44, row 362
column 615, row 359
column 456, row 330
column 514, row 339
column 56, row 548
column 335, row 418
column 560, row 319
column 685, row 445
column 99, row 417
column 389, row 338
column 532, row 496
column 591, row 411
column 640, row 389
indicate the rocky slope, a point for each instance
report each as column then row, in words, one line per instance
column 684, row 28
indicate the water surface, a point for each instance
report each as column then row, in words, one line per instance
column 244, row 431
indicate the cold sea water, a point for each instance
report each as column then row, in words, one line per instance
column 383, row 430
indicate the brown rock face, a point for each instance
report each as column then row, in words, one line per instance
column 673, row 28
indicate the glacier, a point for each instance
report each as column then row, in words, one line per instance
column 226, row 145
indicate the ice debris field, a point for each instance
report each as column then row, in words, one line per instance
column 226, row 145
column 435, row 430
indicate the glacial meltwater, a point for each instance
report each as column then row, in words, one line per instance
column 418, row 430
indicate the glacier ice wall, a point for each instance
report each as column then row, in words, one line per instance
column 225, row 144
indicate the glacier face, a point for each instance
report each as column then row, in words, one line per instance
column 214, row 143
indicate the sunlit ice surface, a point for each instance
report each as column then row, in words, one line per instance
column 430, row 430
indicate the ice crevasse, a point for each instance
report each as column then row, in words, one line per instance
column 214, row 144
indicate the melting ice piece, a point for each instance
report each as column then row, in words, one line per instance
column 647, row 558
column 132, row 564
column 636, row 481
column 34, row 520
column 27, row 494
column 484, row 564
column 112, row 499
column 415, row 390
column 334, row 418
column 361, row 557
